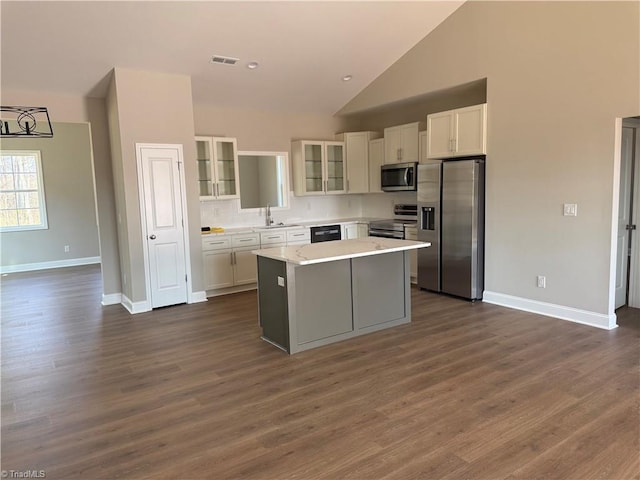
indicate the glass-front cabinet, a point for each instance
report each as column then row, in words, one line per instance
column 318, row 167
column 217, row 159
column 313, row 168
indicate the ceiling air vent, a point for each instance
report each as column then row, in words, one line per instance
column 224, row 60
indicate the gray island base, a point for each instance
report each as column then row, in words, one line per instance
column 317, row 294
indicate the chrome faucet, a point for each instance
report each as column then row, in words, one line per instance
column 268, row 219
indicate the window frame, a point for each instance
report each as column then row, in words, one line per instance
column 44, row 223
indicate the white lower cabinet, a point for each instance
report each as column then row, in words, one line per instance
column 228, row 261
column 218, row 271
column 355, row 230
column 273, row 239
column 411, row 233
column 299, row 237
column 243, row 262
column 245, row 267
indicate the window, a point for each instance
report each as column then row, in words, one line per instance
column 22, row 205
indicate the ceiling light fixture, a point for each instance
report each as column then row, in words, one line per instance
column 346, row 78
column 252, row 65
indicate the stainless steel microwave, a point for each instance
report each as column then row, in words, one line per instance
column 396, row 177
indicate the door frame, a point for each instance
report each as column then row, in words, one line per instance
column 617, row 162
column 143, row 217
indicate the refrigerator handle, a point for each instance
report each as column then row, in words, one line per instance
column 427, row 218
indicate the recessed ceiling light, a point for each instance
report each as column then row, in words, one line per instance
column 346, row 78
column 253, row 65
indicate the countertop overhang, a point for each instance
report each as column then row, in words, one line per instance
column 338, row 250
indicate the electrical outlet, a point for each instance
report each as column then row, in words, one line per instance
column 66, row 249
column 542, row 281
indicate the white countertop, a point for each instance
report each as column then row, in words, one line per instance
column 338, row 250
column 292, row 226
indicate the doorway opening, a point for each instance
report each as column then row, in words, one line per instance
column 627, row 274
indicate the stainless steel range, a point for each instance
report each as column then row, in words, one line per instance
column 405, row 216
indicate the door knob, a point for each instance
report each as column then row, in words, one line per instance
column 152, row 237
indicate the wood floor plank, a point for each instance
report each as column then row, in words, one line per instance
column 466, row 390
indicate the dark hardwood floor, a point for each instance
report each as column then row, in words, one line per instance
column 466, row 391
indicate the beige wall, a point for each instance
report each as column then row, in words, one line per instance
column 558, row 74
column 145, row 107
column 259, row 130
column 69, row 199
column 263, row 131
column 74, row 109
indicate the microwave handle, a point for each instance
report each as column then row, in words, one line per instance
column 408, row 176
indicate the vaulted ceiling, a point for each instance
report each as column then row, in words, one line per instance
column 303, row 48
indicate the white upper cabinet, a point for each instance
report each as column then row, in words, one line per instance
column 376, row 160
column 422, row 136
column 356, row 149
column 457, row 133
column 401, row 143
column 319, row 167
column 217, row 159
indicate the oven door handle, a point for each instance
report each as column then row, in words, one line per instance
column 386, row 234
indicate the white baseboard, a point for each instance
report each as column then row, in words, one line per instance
column 111, row 299
column 585, row 317
column 197, row 297
column 28, row 267
column 234, row 289
column 135, row 307
column 143, row 306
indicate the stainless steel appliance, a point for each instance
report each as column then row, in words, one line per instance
column 451, row 216
column 325, row 233
column 395, row 227
column 396, row 177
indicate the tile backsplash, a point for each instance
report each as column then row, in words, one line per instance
column 226, row 213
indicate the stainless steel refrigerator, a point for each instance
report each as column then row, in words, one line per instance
column 451, row 217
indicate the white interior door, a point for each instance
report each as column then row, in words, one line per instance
column 624, row 219
column 164, row 225
column 634, row 277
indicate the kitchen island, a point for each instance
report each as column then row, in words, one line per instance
column 320, row 293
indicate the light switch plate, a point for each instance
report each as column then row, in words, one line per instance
column 280, row 281
column 570, row 209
